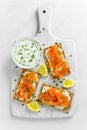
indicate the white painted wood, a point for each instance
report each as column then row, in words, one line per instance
column 45, row 37
column 18, row 19
column 44, row 14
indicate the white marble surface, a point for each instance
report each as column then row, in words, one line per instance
column 18, row 19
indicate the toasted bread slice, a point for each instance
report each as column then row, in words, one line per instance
column 56, row 97
column 56, row 61
column 26, row 86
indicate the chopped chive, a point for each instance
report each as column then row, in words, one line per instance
column 57, row 78
column 20, row 50
column 39, row 31
column 32, row 81
column 70, row 55
column 28, row 89
column 54, row 81
column 13, row 90
column 43, row 44
column 61, row 81
column 15, row 80
column 56, row 43
column 37, row 65
column 20, row 53
column 22, row 57
column 34, row 51
column 40, row 49
column 27, row 49
column 16, row 66
column 56, row 84
column 43, row 28
column 32, row 56
column 22, row 104
column 22, row 45
column 30, row 60
column 33, row 43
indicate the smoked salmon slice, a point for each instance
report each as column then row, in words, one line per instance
column 26, row 86
column 56, row 97
column 56, row 61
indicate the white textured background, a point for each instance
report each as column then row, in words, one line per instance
column 69, row 21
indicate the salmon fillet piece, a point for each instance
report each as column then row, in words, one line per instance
column 59, row 98
column 26, row 86
column 56, row 61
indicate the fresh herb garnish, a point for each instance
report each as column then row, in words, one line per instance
column 27, row 49
column 30, row 60
column 71, row 55
column 32, row 56
column 57, row 78
column 22, row 104
column 22, row 46
column 22, row 57
column 20, row 53
column 15, row 80
column 54, row 81
column 43, row 44
column 16, row 66
column 43, row 28
column 39, row 31
column 56, row 43
column 61, row 81
column 40, row 49
column 33, row 43
column 28, row 90
column 37, row 65
column 56, row 84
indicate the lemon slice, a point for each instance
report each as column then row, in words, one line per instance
column 68, row 83
column 43, row 70
column 34, row 106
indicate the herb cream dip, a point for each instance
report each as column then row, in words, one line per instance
column 27, row 52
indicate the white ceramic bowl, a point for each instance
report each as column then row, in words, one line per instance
column 19, row 64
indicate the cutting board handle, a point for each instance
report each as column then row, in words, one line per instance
column 44, row 18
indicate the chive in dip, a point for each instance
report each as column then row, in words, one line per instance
column 27, row 52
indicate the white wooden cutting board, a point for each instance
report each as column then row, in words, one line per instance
column 45, row 38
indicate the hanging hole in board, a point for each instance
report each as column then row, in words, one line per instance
column 44, row 11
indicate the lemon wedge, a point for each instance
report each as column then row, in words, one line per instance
column 34, row 106
column 43, row 70
column 68, row 83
